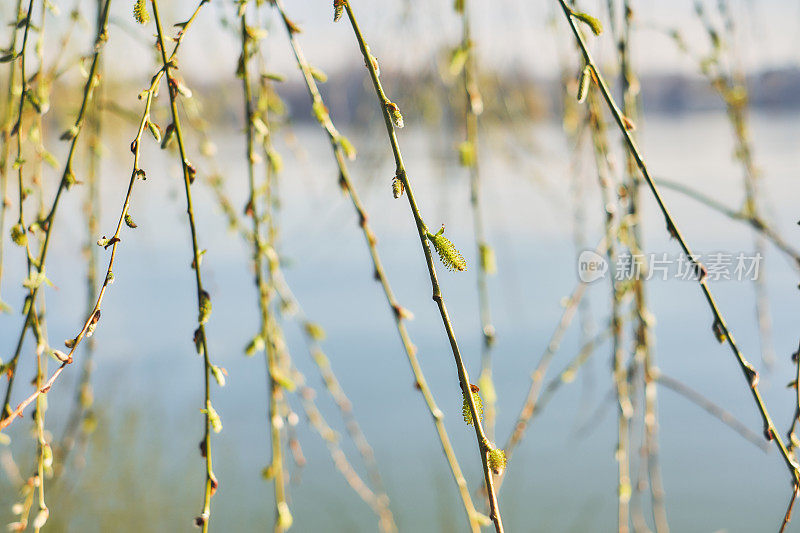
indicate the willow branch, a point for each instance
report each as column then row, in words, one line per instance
column 750, row 374
column 67, row 179
column 398, row 312
column 203, row 299
column 388, row 108
column 470, row 157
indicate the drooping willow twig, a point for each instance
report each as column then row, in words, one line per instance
column 611, row 214
column 570, row 370
column 643, row 351
column 469, row 151
column 79, row 419
column 8, row 123
column 19, row 233
column 392, row 119
column 757, row 224
column 44, row 453
column 212, row 421
column 316, row 420
column 283, row 517
column 340, row 147
column 732, row 88
column 710, row 407
column 313, row 333
column 720, row 328
column 305, row 393
column 67, row 180
column 538, row 375
column 278, row 283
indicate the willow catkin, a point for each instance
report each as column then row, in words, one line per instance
column 497, row 460
column 476, row 399
column 448, row 253
column 140, row 12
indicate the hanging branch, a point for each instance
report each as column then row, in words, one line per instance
column 710, row 407
column 313, row 335
column 203, row 298
column 618, row 295
column 643, row 354
column 19, row 233
column 288, row 303
column 538, row 374
column 449, row 256
column 758, row 225
column 36, row 280
column 283, row 517
column 341, row 148
column 44, row 453
column 469, row 156
column 720, row 328
column 8, row 114
column 80, row 416
column 732, row 88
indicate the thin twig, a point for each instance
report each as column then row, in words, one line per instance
column 264, row 286
column 750, row 374
column 389, row 109
column 399, row 313
column 486, row 259
column 203, row 299
column 67, row 179
column 710, row 407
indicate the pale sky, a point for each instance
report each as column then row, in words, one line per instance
column 510, row 34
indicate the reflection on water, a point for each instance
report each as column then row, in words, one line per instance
column 143, row 471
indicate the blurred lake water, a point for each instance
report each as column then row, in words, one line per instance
column 143, row 469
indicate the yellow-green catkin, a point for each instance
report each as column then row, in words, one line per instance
column 465, row 410
column 18, row 235
column 497, row 460
column 140, row 12
column 448, row 253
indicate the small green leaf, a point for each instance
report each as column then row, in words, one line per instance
column 219, row 375
column 213, row 417
column 593, row 23
column 129, row 221
column 318, row 74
